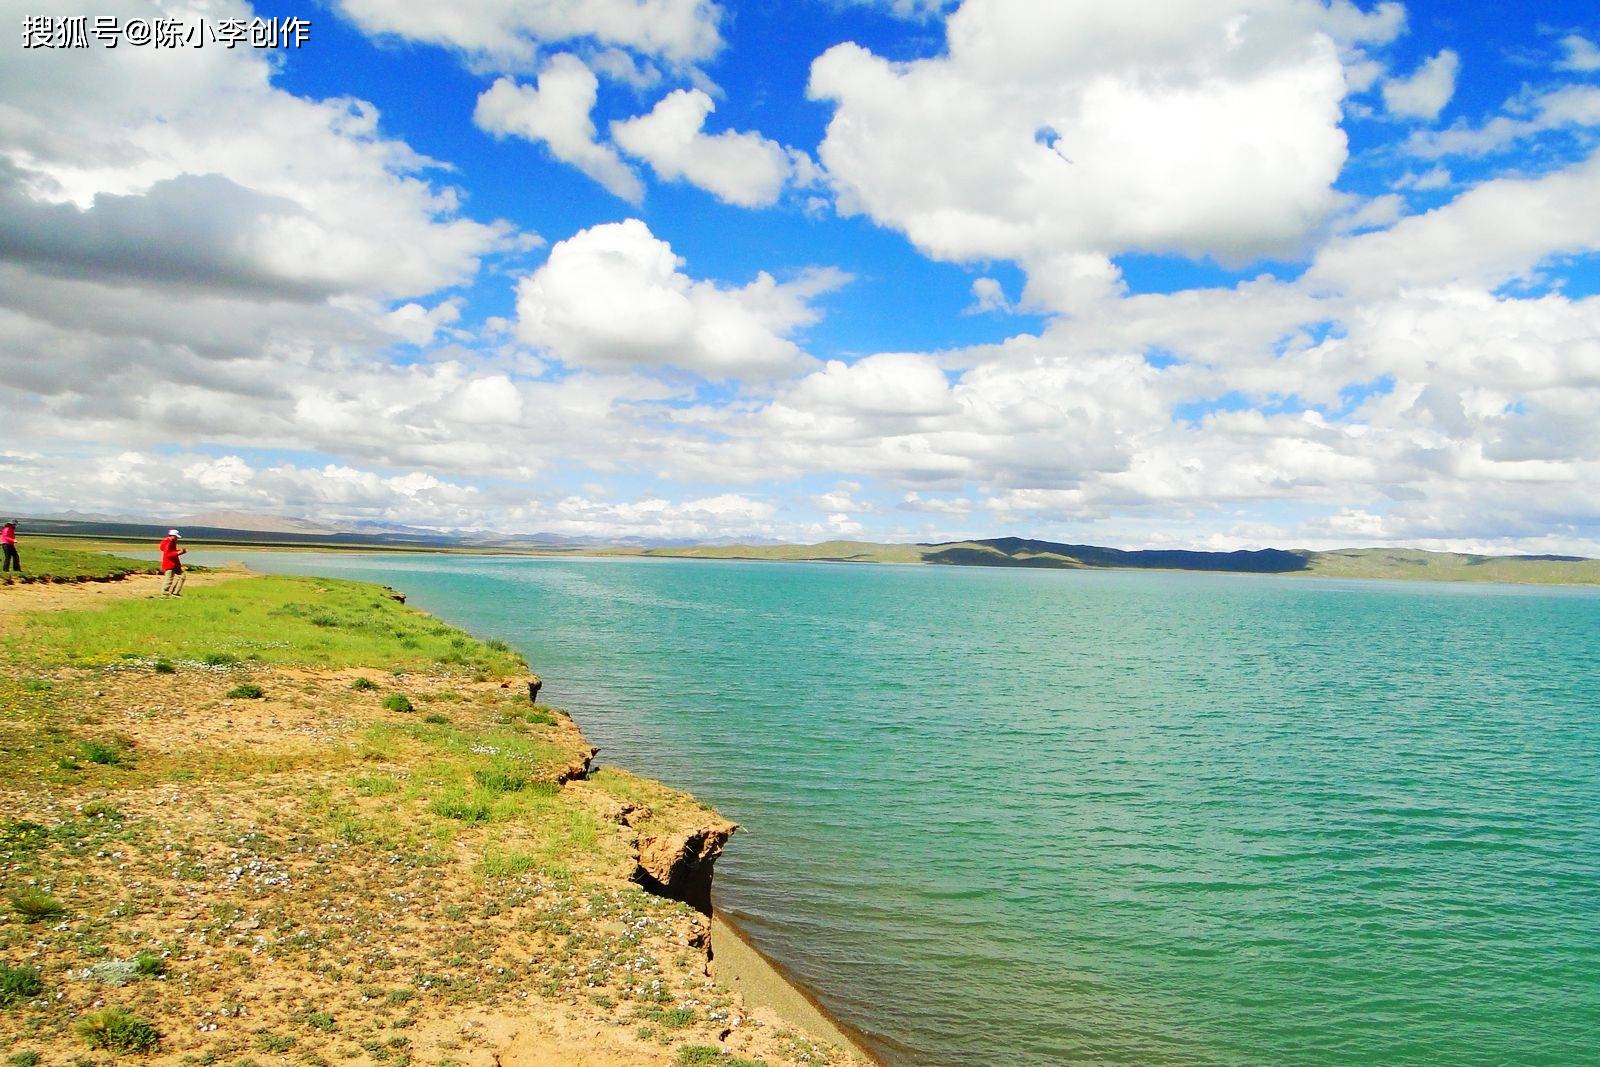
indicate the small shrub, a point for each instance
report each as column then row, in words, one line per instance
column 674, row 1018
column 18, row 983
column 500, row 780
column 433, row 718
column 399, row 702
column 23, row 834
column 267, row 1041
column 461, row 809
column 119, row 1031
column 149, row 965
column 362, row 685
column 101, row 809
column 219, row 659
column 320, row 1020
column 697, row 1055
column 246, row 691
column 35, row 905
column 164, row 666
column 104, row 753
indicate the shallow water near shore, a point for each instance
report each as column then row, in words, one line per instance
column 1017, row 817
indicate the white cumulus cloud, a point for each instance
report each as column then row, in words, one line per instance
column 616, row 296
column 511, row 31
column 1080, row 129
column 1428, row 89
column 741, row 168
column 558, row 112
column 1579, row 54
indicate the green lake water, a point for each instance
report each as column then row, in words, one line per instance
column 1017, row 817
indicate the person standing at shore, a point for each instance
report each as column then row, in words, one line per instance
column 171, row 564
column 8, row 545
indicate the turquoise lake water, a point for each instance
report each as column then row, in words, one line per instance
column 1016, row 817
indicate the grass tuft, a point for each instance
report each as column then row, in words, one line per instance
column 118, row 1031
column 267, row 1041
column 462, row 809
column 101, row 809
column 398, row 702
column 35, row 905
column 698, row 1055
column 103, row 753
column 149, row 965
column 500, row 780
column 246, row 691
column 362, row 685
column 19, row 983
column 433, row 718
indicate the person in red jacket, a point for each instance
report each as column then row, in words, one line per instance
column 8, row 545
column 171, row 564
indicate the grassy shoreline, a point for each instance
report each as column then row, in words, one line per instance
column 291, row 818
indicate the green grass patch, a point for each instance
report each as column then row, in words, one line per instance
column 362, row 685
column 267, row 1041
column 673, row 1018
column 265, row 620
column 398, row 702
column 18, row 984
column 375, row 785
column 461, row 808
column 114, row 753
column 433, row 718
column 500, row 780
column 101, row 809
column 118, row 1031
column 699, row 1055
column 35, row 905
column 69, row 564
column 246, row 691
column 149, row 965
column 25, row 1058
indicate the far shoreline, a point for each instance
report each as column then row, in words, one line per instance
column 598, row 553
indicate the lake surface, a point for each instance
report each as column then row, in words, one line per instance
column 1016, row 817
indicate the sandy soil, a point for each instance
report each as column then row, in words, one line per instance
column 296, row 906
column 736, row 965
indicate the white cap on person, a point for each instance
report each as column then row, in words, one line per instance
column 174, row 533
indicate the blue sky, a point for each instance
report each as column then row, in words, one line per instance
column 1272, row 272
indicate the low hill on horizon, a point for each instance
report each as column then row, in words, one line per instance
column 1051, row 555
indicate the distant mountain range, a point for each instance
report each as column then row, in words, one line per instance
column 238, row 527
column 1051, row 555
